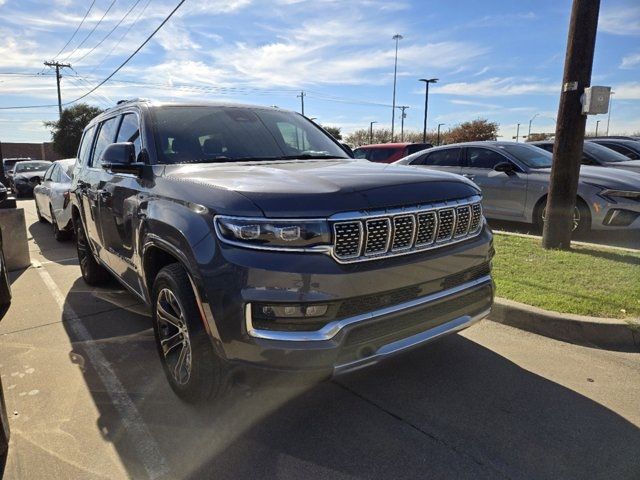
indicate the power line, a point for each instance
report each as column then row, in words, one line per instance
column 130, row 56
column 76, row 31
column 91, row 32
column 121, row 37
column 110, row 32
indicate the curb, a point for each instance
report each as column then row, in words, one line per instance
column 608, row 333
column 573, row 242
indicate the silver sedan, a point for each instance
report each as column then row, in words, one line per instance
column 52, row 198
column 514, row 179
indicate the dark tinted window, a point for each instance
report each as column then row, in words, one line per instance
column 621, row 149
column 416, row 147
column 218, row 134
column 603, row 154
column 532, row 157
column 546, row 146
column 129, row 131
column 483, row 158
column 106, row 136
column 360, row 153
column 381, row 154
column 449, row 157
column 85, row 146
column 31, row 166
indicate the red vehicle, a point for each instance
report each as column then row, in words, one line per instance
column 389, row 152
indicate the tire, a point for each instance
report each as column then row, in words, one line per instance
column 93, row 273
column 193, row 369
column 581, row 214
column 60, row 235
column 5, row 287
column 41, row 219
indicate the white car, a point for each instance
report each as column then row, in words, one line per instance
column 52, row 198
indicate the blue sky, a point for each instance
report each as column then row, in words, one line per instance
column 500, row 60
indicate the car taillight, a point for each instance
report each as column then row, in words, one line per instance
column 67, row 198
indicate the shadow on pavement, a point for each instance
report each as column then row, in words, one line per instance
column 453, row 409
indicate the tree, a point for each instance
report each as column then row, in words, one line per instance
column 474, row 131
column 361, row 137
column 536, row 137
column 67, row 131
column 334, row 131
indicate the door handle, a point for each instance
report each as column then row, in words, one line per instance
column 469, row 176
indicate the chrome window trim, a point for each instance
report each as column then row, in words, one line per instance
column 330, row 330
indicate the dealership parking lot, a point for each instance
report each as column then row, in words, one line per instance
column 87, row 399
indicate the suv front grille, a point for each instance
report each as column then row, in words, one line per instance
column 403, row 231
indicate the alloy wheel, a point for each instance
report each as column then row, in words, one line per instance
column 576, row 217
column 174, row 336
column 83, row 249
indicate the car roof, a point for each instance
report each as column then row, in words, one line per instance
column 66, row 161
column 387, row 145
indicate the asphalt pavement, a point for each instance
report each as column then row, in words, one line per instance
column 87, row 399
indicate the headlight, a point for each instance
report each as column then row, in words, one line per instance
column 273, row 234
column 620, row 194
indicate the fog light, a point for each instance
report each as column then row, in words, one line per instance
column 620, row 218
column 293, row 311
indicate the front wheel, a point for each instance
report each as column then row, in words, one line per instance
column 189, row 361
column 581, row 217
column 92, row 272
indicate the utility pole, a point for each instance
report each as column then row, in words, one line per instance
column 426, row 81
column 403, row 108
column 571, row 124
column 371, row 131
column 439, row 125
column 397, row 37
column 597, row 125
column 609, row 117
column 518, row 133
column 301, row 97
column 58, row 66
column 530, row 122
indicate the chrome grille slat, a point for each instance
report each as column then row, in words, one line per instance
column 361, row 236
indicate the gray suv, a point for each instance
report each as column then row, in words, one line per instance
column 260, row 245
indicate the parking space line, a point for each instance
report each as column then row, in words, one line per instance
column 143, row 442
column 64, row 260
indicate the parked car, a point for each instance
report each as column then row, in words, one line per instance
column 52, row 198
column 9, row 164
column 388, row 152
column 628, row 148
column 5, row 302
column 26, row 175
column 514, row 179
column 260, row 245
column 598, row 155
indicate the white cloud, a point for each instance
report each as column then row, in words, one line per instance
column 498, row 87
column 630, row 61
column 621, row 21
column 627, row 91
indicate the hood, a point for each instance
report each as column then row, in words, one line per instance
column 604, row 176
column 29, row 175
column 633, row 165
column 318, row 188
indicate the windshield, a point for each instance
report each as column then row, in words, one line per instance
column 532, row 157
column 603, row 154
column 221, row 134
column 31, row 166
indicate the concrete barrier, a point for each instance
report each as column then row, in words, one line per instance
column 14, row 238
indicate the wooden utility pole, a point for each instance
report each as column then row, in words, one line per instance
column 571, row 124
column 301, row 97
column 404, row 115
column 58, row 66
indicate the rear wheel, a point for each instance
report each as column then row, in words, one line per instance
column 189, row 361
column 581, row 217
column 92, row 272
column 60, row 235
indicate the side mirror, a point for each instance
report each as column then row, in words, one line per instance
column 121, row 158
column 506, row 167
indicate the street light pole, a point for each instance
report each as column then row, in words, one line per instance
column 609, row 117
column 371, row 131
column 397, row 37
column 530, row 122
column 597, row 125
column 438, row 141
column 426, row 81
column 518, row 133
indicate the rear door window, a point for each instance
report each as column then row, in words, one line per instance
column 483, row 158
column 85, row 146
column 106, row 136
column 381, row 154
column 449, row 157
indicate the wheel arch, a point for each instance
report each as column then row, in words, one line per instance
column 541, row 202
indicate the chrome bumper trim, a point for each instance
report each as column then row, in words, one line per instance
column 330, row 330
column 398, row 346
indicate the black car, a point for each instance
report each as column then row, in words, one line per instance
column 262, row 246
column 597, row 155
column 26, row 175
column 5, row 302
column 628, row 148
column 9, row 163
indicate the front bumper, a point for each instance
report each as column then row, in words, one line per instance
column 23, row 188
column 624, row 214
column 453, row 287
